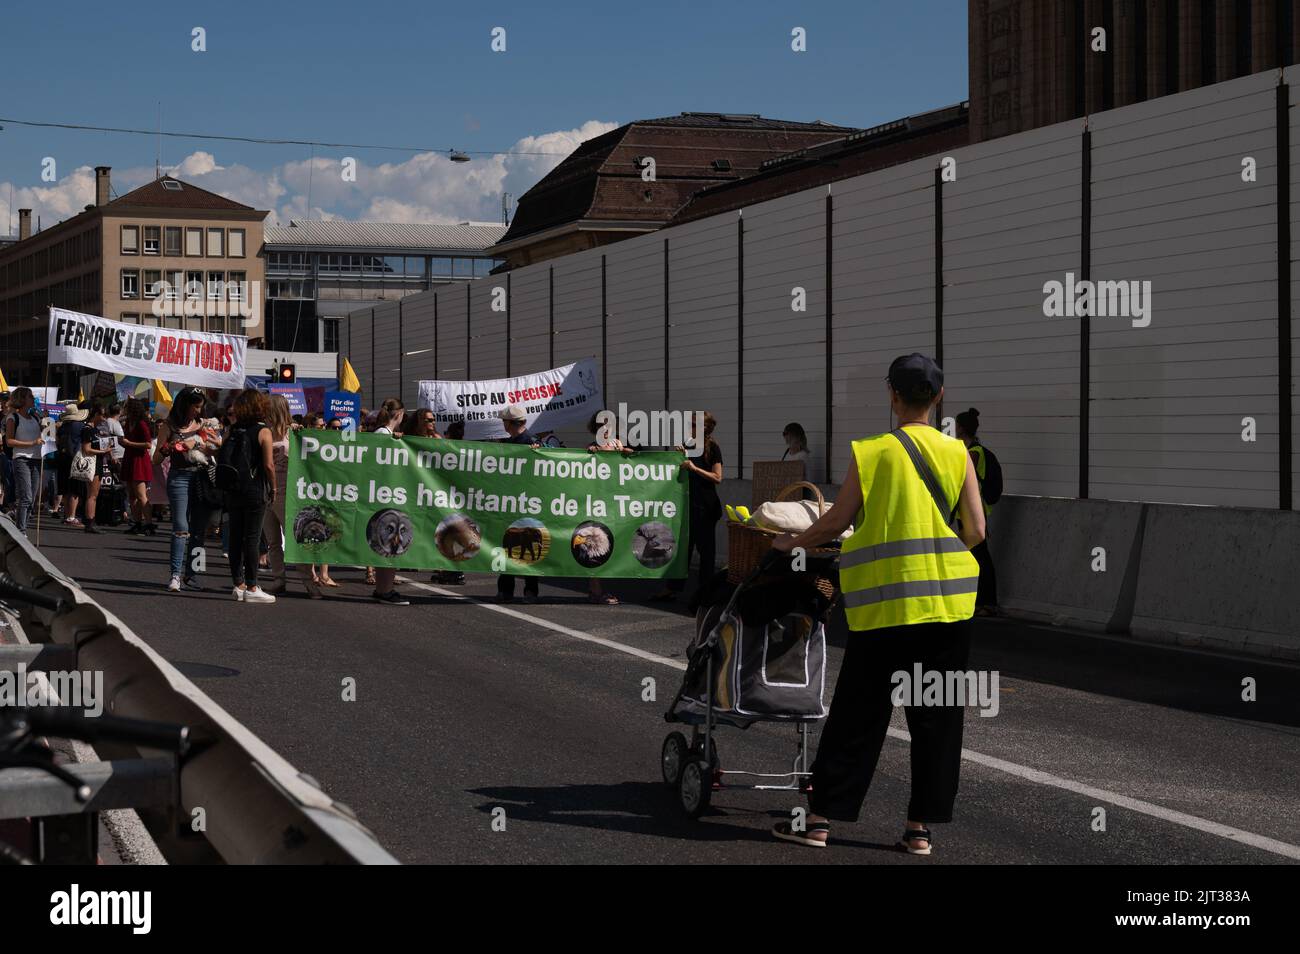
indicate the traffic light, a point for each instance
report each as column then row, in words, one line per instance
column 288, row 374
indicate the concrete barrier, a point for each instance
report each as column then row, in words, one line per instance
column 1221, row 578
column 1049, row 555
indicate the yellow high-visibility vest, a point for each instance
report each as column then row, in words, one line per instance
column 903, row 564
column 981, row 468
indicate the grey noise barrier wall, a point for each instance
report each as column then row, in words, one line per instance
column 1112, row 432
column 257, row 808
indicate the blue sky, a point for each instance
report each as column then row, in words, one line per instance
column 423, row 74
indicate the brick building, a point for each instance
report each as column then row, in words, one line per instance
column 1032, row 62
column 598, row 195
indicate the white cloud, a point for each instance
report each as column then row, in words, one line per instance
column 427, row 187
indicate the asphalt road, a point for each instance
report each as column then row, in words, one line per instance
column 463, row 707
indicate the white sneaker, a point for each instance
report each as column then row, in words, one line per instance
column 258, row 596
column 238, row 594
column 175, row 584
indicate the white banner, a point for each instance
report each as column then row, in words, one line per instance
column 560, row 397
column 169, row 354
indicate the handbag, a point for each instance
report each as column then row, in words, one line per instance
column 83, row 468
column 931, row 482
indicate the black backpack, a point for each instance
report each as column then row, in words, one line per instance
column 238, row 464
column 991, row 488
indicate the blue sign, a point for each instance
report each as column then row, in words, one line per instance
column 293, row 394
column 343, row 404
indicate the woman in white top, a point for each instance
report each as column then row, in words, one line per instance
column 273, row 527
column 796, row 443
column 22, row 430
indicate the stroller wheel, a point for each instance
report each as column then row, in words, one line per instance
column 695, row 788
column 674, row 756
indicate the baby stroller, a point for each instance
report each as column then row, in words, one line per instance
column 758, row 655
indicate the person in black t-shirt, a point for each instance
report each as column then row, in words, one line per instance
column 705, row 510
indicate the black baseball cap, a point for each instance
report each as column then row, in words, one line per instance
column 915, row 377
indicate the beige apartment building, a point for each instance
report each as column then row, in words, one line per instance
column 168, row 253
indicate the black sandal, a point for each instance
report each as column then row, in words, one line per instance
column 785, row 831
column 916, row 834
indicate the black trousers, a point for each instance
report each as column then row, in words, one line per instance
column 245, row 542
column 987, row 592
column 506, row 585
column 860, row 712
column 704, row 541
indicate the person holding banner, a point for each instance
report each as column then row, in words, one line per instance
column 388, row 421
column 515, row 420
column 137, row 469
column 273, row 527
column 23, row 436
column 705, row 509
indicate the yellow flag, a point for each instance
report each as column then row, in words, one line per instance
column 4, row 385
column 160, row 393
column 348, row 380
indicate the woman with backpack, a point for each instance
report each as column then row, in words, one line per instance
column 989, row 473
column 137, row 469
column 246, row 473
column 178, row 435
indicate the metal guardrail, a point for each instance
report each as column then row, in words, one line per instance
column 256, row 807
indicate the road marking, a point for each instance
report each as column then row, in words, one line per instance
column 1036, row 776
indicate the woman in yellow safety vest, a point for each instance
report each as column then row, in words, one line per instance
column 909, row 583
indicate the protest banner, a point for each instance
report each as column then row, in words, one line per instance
column 357, row 499
column 294, row 395
column 560, row 397
column 343, row 405
column 199, row 358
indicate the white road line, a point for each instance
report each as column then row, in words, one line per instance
column 1282, row 848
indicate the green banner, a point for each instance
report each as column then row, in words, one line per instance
column 357, row 499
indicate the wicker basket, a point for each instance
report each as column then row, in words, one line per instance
column 771, row 476
column 747, row 544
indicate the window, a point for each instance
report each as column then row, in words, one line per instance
column 238, row 286
column 130, row 283
column 236, row 243
column 482, row 266
column 394, row 265
column 152, row 279
column 193, row 241
column 193, row 284
column 152, row 239
column 131, row 317
column 441, row 266
column 463, row 267
column 216, row 285
column 130, row 240
column 415, row 267
column 172, row 240
column 216, row 243
column 176, row 284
